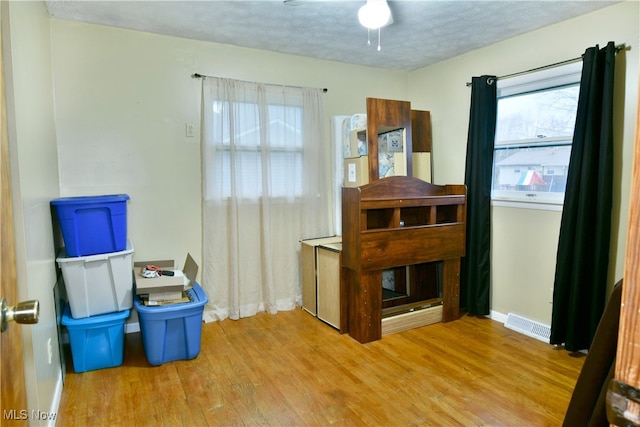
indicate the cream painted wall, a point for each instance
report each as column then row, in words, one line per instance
column 520, row 236
column 122, row 101
column 34, row 170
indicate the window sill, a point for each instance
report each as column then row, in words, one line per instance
column 518, row 204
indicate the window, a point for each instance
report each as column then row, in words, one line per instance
column 534, row 130
column 284, row 150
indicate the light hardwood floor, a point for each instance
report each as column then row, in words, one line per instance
column 292, row 369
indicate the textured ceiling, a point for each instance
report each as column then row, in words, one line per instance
column 423, row 32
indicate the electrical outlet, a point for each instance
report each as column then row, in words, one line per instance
column 190, row 130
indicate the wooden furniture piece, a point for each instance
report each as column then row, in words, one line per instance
column 309, row 255
column 323, row 287
column 623, row 401
column 331, row 292
column 386, row 117
column 423, row 266
column 401, row 228
column 421, row 150
column 587, row 406
column 397, row 222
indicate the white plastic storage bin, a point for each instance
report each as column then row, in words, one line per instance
column 98, row 284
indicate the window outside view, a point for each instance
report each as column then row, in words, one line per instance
column 533, row 144
column 283, row 146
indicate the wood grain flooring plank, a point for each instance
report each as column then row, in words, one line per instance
column 290, row 369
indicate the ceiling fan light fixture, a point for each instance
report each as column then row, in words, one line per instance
column 375, row 14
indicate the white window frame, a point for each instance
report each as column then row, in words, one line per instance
column 531, row 82
column 297, row 150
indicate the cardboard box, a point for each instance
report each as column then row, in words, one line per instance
column 357, row 145
column 175, row 283
column 356, row 171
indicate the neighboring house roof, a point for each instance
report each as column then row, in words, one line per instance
column 553, row 156
column 253, row 134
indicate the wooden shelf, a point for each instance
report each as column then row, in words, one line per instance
column 396, row 222
column 399, row 223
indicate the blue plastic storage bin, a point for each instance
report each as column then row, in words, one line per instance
column 93, row 224
column 96, row 342
column 172, row 332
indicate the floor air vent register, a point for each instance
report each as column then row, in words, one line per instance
column 528, row 327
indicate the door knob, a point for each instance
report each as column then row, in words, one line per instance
column 25, row 312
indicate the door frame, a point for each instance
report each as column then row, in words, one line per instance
column 12, row 378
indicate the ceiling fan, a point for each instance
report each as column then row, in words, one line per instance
column 373, row 15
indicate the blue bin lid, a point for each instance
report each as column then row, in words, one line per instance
column 198, row 298
column 68, row 320
column 108, row 198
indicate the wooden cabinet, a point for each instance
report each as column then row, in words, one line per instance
column 308, row 255
column 330, row 286
column 397, row 229
column 401, row 229
column 398, row 222
column 323, row 286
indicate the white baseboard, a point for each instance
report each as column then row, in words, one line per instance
column 132, row 327
column 55, row 403
column 498, row 317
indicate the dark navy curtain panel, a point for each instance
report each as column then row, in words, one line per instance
column 475, row 280
column 583, row 248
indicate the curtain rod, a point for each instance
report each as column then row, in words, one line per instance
column 557, row 64
column 200, row 76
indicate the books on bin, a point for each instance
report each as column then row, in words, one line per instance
column 163, row 293
column 164, row 298
column 161, row 298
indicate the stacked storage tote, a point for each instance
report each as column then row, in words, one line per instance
column 172, row 329
column 172, row 332
column 96, row 266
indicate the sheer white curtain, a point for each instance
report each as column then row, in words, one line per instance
column 265, row 187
